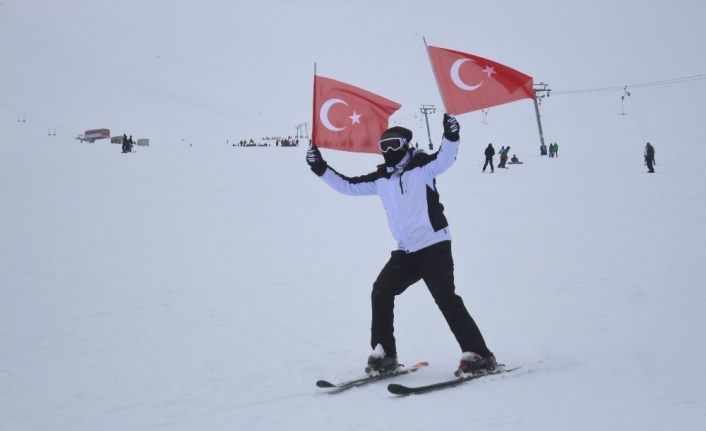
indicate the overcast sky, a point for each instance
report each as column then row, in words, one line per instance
column 241, row 68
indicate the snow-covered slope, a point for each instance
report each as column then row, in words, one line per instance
column 208, row 288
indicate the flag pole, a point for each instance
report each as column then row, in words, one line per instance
column 313, row 111
column 434, row 73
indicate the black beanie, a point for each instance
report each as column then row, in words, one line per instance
column 397, row 132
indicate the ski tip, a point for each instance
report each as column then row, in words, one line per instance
column 398, row 389
column 324, row 384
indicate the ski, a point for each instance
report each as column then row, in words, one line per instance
column 338, row 387
column 409, row 390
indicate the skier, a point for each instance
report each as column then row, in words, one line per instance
column 650, row 158
column 514, row 160
column 489, row 153
column 552, row 149
column 406, row 185
column 503, row 157
column 125, row 144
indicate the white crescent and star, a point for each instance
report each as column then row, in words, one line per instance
column 456, row 79
column 323, row 114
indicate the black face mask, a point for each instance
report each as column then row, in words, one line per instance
column 392, row 158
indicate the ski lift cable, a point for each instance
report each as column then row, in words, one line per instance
column 624, row 88
column 36, row 118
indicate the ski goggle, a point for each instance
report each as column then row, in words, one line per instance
column 392, row 144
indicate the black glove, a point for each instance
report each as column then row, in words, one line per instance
column 451, row 128
column 315, row 161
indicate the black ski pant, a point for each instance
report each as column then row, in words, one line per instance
column 488, row 160
column 434, row 265
column 650, row 164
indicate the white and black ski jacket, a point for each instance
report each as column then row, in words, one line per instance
column 414, row 214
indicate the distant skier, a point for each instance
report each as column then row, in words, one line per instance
column 503, row 157
column 650, row 158
column 125, row 144
column 129, row 144
column 514, row 160
column 553, row 150
column 406, row 184
column 489, row 153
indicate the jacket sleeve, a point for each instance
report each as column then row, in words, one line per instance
column 445, row 157
column 356, row 186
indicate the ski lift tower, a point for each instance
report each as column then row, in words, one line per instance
column 540, row 91
column 302, row 130
column 428, row 109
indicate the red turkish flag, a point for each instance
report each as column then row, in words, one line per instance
column 349, row 118
column 470, row 83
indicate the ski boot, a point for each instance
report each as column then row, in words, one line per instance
column 380, row 363
column 473, row 363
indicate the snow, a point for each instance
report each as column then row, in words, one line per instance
column 378, row 352
column 193, row 285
